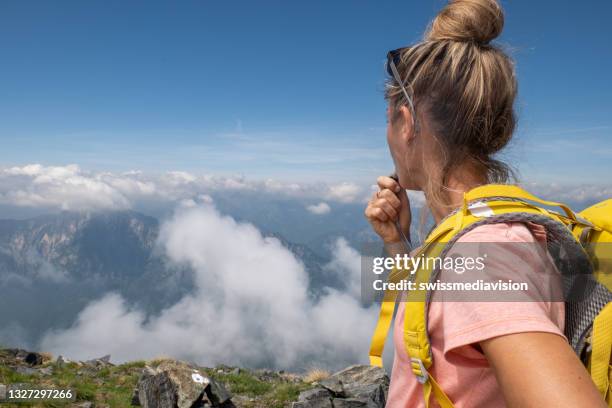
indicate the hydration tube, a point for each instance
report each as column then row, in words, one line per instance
column 397, row 223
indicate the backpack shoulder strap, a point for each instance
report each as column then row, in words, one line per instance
column 599, row 364
column 513, row 191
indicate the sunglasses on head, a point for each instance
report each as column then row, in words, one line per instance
column 393, row 60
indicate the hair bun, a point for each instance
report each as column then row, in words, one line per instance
column 467, row 20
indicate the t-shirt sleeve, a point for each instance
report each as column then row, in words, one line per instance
column 466, row 323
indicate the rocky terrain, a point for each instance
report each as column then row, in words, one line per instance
column 168, row 383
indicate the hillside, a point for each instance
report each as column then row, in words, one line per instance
column 167, row 383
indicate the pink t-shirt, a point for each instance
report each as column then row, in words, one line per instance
column 463, row 371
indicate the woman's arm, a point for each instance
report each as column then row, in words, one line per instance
column 537, row 369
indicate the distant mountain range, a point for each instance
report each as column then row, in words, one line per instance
column 51, row 266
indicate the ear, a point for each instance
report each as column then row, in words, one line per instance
column 407, row 123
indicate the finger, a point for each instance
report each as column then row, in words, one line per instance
column 391, row 197
column 368, row 210
column 376, row 213
column 387, row 182
column 387, row 208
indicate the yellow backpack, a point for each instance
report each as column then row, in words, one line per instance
column 586, row 236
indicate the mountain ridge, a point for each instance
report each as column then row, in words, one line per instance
column 65, row 260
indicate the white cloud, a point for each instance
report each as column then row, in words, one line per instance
column 346, row 264
column 250, row 307
column 345, row 192
column 570, row 194
column 72, row 188
column 61, row 187
column 319, row 209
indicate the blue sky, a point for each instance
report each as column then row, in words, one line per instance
column 287, row 89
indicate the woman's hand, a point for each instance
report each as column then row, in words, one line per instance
column 388, row 204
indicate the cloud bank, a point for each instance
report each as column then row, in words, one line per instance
column 72, row 188
column 250, row 307
column 69, row 187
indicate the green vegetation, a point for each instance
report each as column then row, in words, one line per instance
column 112, row 386
column 274, row 392
column 283, row 394
column 244, row 383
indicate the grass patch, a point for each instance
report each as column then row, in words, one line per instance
column 64, row 376
column 118, row 386
column 132, row 364
column 284, row 393
column 244, row 383
column 85, row 389
column 316, row 374
column 8, row 375
column 277, row 393
column 103, row 373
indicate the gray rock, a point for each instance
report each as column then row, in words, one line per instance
column 235, row 371
column 61, row 361
column 135, row 399
column 25, row 370
column 105, row 359
column 363, row 381
column 353, row 403
column 33, row 371
column 156, row 389
column 18, row 354
column 45, row 370
column 322, row 403
column 216, row 393
column 314, row 394
column 354, row 387
column 175, row 384
column 379, row 396
column 334, row 385
column 314, row 398
column 99, row 362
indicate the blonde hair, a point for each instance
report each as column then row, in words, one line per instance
column 464, row 87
